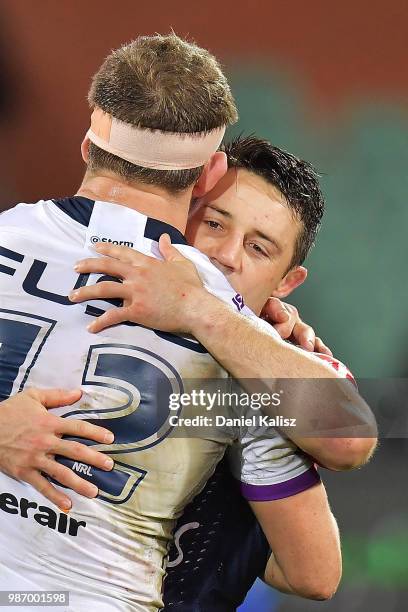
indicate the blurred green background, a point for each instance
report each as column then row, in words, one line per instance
column 356, row 294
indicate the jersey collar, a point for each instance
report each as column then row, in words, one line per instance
column 80, row 210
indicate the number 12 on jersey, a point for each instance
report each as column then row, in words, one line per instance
column 136, row 381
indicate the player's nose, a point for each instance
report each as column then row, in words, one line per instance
column 228, row 254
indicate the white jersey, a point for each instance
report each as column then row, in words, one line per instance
column 109, row 552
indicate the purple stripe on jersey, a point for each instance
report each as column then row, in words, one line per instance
column 281, row 489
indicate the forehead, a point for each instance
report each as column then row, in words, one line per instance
column 240, row 183
column 251, row 201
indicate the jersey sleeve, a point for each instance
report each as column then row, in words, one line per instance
column 269, row 466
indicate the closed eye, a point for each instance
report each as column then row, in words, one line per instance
column 258, row 250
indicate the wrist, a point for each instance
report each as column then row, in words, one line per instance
column 202, row 307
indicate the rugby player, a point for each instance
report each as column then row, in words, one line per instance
column 109, row 552
column 237, row 551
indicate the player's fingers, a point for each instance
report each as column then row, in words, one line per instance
column 103, row 265
column 82, row 453
column 121, row 253
column 53, row 398
column 103, row 290
column 66, row 477
column 82, row 429
column 167, row 249
column 113, row 316
column 276, row 311
column 304, row 336
column 280, row 316
column 54, row 495
column 320, row 347
column 284, row 329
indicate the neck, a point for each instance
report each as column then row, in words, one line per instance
column 146, row 199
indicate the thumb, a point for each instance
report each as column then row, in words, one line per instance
column 53, row 398
column 167, row 249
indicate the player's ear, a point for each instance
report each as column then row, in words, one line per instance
column 295, row 277
column 212, row 172
column 85, row 149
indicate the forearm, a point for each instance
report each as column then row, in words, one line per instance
column 333, row 422
column 245, row 348
column 275, row 578
column 304, row 538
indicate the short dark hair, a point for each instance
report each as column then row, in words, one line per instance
column 164, row 83
column 295, row 178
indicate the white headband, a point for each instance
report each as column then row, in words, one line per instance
column 153, row 148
